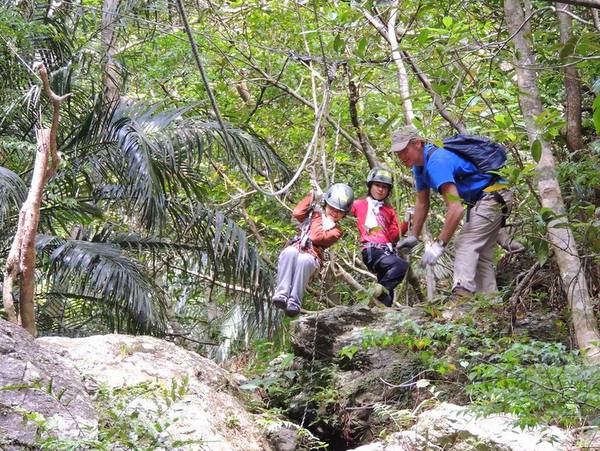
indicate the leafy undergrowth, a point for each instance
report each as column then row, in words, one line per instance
column 540, row 383
column 474, row 361
column 133, row 417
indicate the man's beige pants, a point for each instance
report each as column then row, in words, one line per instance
column 474, row 248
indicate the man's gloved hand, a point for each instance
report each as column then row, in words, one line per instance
column 432, row 253
column 407, row 243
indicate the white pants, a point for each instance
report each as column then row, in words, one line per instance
column 474, row 248
column 294, row 271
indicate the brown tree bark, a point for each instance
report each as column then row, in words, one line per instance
column 586, row 3
column 21, row 258
column 559, row 233
column 353, row 97
column 110, row 76
column 572, row 85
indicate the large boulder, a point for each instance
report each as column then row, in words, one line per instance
column 454, row 428
column 206, row 412
column 41, row 395
column 342, row 379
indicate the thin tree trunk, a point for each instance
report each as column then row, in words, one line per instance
column 403, row 85
column 596, row 17
column 572, row 84
column 21, row 258
column 389, row 33
column 110, row 76
column 353, row 97
column 560, row 234
column 586, row 3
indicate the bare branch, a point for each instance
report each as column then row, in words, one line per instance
column 587, row 3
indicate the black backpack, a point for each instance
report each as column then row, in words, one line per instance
column 484, row 153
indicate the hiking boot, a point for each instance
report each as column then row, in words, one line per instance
column 459, row 293
column 293, row 307
column 279, row 301
column 374, row 302
column 378, row 292
column 453, row 308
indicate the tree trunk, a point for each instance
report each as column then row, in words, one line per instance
column 596, row 17
column 572, row 84
column 586, row 3
column 389, row 33
column 353, row 97
column 437, row 100
column 560, row 235
column 403, row 85
column 21, row 258
column 110, row 76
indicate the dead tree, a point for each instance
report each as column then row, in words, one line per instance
column 21, row 258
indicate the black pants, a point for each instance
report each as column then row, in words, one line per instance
column 389, row 268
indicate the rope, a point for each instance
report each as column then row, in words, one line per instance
column 324, row 270
column 226, row 137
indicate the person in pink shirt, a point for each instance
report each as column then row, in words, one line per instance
column 379, row 231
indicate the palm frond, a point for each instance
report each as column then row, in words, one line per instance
column 12, row 193
column 148, row 155
column 101, row 272
column 256, row 154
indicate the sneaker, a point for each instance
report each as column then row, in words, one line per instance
column 279, row 301
column 293, row 307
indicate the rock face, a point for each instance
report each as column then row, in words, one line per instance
column 372, row 375
column 452, row 427
column 36, row 381
column 350, row 393
column 206, row 415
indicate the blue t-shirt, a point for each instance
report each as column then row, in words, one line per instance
column 443, row 166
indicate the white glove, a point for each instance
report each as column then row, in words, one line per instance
column 328, row 223
column 432, row 253
column 407, row 243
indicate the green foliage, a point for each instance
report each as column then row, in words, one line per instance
column 122, row 421
column 425, row 342
column 540, row 383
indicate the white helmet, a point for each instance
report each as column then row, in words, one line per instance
column 380, row 174
column 339, row 196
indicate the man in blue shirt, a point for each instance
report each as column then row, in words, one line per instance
column 460, row 183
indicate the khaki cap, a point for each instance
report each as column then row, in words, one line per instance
column 402, row 136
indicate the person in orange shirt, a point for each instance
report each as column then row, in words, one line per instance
column 303, row 255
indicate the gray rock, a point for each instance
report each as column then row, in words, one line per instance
column 452, row 427
column 207, row 413
column 35, row 380
column 364, row 380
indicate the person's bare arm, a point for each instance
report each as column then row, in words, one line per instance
column 454, row 211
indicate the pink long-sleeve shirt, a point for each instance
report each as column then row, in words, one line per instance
column 388, row 230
